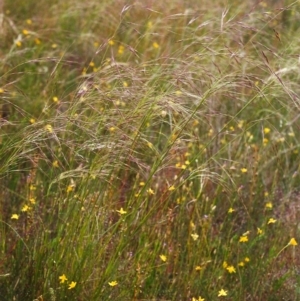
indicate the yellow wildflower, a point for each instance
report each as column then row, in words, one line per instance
column 244, row 170
column 25, row 208
column 113, row 283
column 293, row 242
column 195, row 236
column 49, row 128
column 155, row 45
column 72, row 285
column 55, row 99
column 269, row 205
column 15, row 216
column 55, row 164
column 150, row 191
column 121, row 211
column 230, row 210
column 231, row 269
column 70, row 188
column 163, row 257
column 32, row 201
column 62, row 278
column 243, row 238
column 199, row 299
column 171, row 188
column 272, row 221
column 222, row 293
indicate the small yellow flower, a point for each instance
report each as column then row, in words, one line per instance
column 199, row 299
column 37, row 41
column 32, row 201
column 28, row 21
column 231, row 269
column 222, row 293
column 142, row 183
column 243, row 238
column 269, row 205
column 163, row 257
column 49, row 128
column 195, row 236
column 18, row 43
column 54, row 45
column 15, row 216
column 230, row 210
column 113, row 283
column 70, row 188
column 241, row 264
column 55, row 99
column 25, row 32
column 32, row 120
column 272, row 221
column 72, row 285
column 171, row 188
column 247, row 259
column 244, row 170
column 55, row 164
column 62, row 278
column 1, row 90
column 192, row 225
column 293, row 242
column 259, row 231
column 150, row 191
column 111, row 42
column 225, row 264
column 267, row 130
column 121, row 49
column 32, row 187
column 198, row 268
column 25, row 208
column 121, row 211
column 155, row 45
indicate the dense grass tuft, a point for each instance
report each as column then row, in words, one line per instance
column 149, row 151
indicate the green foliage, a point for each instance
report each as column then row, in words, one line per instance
column 149, row 151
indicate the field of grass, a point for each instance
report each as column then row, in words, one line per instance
column 149, row 150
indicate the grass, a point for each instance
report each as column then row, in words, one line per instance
column 149, row 151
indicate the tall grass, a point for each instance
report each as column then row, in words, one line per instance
column 149, row 151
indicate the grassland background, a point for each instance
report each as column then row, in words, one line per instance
column 149, row 150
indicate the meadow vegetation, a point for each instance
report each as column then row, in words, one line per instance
column 149, row 150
